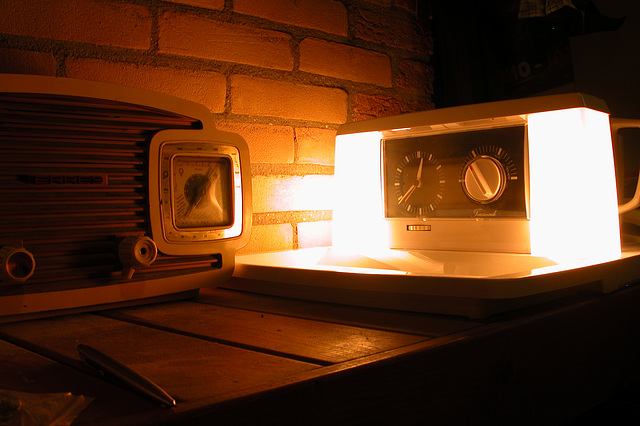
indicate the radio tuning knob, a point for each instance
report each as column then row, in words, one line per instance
column 17, row 264
column 484, row 179
column 136, row 252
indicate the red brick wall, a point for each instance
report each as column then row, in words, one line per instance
column 284, row 74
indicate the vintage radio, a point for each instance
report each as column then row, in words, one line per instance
column 468, row 210
column 113, row 195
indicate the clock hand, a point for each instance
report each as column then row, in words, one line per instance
column 416, row 185
column 407, row 194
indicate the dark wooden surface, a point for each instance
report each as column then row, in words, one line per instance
column 237, row 358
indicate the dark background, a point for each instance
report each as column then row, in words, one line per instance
column 483, row 52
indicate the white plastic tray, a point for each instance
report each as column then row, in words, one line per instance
column 472, row 284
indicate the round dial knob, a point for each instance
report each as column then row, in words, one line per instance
column 484, row 179
column 16, row 264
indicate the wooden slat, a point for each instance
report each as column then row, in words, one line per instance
column 298, row 338
column 83, row 213
column 189, row 369
column 58, row 105
column 44, row 137
column 59, row 198
column 39, row 145
column 80, row 122
column 407, row 322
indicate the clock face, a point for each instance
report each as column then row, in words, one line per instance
column 418, row 183
column 200, row 191
column 456, row 175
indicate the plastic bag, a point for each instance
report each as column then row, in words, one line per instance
column 27, row 409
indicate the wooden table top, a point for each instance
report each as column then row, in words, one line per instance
column 231, row 357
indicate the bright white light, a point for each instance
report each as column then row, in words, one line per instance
column 358, row 214
column 573, row 199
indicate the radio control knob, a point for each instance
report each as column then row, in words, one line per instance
column 136, row 252
column 484, row 179
column 17, row 264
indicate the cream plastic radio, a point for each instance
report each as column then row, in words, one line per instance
column 113, row 195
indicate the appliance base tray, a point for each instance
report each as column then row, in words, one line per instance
column 472, row 284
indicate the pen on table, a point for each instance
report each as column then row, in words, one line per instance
column 109, row 366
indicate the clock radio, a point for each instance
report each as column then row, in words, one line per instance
column 533, row 176
column 470, row 210
column 113, row 195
